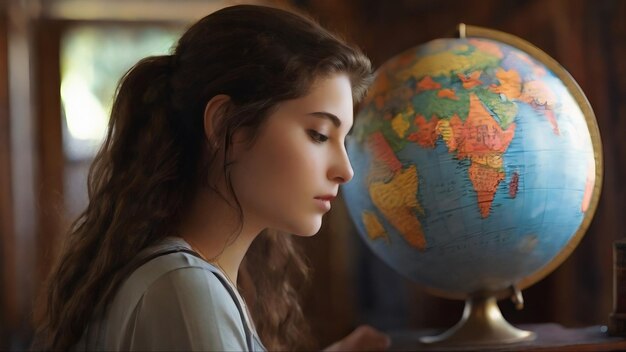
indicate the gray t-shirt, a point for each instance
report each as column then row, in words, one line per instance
column 175, row 301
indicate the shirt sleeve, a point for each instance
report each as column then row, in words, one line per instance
column 186, row 309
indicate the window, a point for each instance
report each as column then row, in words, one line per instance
column 93, row 59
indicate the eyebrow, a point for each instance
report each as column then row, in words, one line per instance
column 327, row 115
column 331, row 117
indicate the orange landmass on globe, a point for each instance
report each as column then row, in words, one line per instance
column 379, row 172
column 510, row 83
column 447, row 93
column 481, row 134
column 538, row 92
column 514, row 185
column 401, row 61
column 485, row 180
column 535, row 93
column 378, row 91
column 449, row 130
column 393, row 191
column 427, row 83
column 373, row 227
column 397, row 201
column 539, row 95
column 426, row 134
column 538, row 71
column 487, row 47
column 589, row 184
column 472, row 80
column 380, row 85
column 383, row 152
column 549, row 113
column 480, row 138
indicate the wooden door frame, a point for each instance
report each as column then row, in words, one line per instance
column 7, row 276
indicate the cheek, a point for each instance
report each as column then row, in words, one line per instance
column 289, row 165
column 276, row 170
column 276, row 182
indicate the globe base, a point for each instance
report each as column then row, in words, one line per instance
column 482, row 324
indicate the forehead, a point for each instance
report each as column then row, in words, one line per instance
column 328, row 95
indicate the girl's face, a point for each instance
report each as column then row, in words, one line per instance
column 286, row 180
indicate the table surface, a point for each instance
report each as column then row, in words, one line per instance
column 550, row 337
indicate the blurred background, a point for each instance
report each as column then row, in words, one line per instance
column 60, row 61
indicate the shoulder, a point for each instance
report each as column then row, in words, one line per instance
column 177, row 302
column 190, row 285
column 178, row 277
column 181, row 267
column 190, row 295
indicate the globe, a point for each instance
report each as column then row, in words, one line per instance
column 477, row 167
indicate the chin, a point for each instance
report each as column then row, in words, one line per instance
column 306, row 229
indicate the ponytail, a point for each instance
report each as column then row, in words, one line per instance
column 138, row 164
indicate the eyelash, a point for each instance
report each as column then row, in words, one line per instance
column 317, row 137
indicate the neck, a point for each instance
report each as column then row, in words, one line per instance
column 230, row 259
column 218, row 235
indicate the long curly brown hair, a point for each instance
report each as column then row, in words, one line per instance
column 156, row 155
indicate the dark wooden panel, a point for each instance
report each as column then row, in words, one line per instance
column 8, row 313
column 49, row 182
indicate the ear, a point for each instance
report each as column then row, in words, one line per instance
column 213, row 117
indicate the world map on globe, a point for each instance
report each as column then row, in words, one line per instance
column 474, row 165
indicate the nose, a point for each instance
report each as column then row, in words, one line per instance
column 341, row 170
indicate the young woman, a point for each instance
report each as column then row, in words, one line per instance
column 214, row 156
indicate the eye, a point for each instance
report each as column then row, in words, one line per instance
column 317, row 137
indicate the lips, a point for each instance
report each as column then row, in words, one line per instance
column 329, row 197
column 323, row 202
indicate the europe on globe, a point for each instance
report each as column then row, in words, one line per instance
column 477, row 165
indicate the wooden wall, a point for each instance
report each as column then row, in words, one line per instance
column 15, row 208
column 6, row 211
column 589, row 39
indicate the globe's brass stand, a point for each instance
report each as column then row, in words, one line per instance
column 481, row 324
